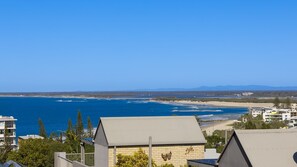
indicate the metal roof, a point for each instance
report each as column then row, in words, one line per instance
column 273, row 148
column 209, row 162
column 129, row 131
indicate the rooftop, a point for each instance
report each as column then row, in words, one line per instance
column 270, row 147
column 31, row 137
column 7, row 118
column 128, row 131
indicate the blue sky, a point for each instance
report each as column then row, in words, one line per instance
column 125, row 45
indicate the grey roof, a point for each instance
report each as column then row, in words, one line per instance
column 273, row 148
column 128, row 131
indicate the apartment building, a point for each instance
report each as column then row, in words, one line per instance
column 9, row 124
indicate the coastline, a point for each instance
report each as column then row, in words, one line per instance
column 217, row 103
column 218, row 125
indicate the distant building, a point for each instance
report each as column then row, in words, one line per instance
column 277, row 114
column 293, row 122
column 21, row 138
column 9, row 124
column 270, row 114
column 258, row 148
column 247, row 93
column 175, row 139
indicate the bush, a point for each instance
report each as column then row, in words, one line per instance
column 138, row 159
column 37, row 152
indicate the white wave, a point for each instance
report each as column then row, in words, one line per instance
column 70, row 101
column 211, row 110
column 194, row 107
column 64, row 101
column 204, row 116
column 176, row 110
column 139, row 102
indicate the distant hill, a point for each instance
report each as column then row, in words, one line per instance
column 231, row 88
column 246, row 88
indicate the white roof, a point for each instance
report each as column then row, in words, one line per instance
column 31, row 137
column 7, row 118
column 273, row 148
column 128, row 131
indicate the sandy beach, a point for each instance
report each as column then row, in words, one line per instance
column 221, row 125
column 222, row 104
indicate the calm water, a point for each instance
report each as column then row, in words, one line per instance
column 55, row 112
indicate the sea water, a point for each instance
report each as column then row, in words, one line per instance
column 55, row 112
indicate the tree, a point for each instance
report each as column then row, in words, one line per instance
column 72, row 142
column 42, row 131
column 138, row 159
column 70, row 126
column 90, row 128
column 276, row 102
column 288, row 103
column 79, row 126
column 37, row 152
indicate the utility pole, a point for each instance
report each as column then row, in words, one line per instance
column 150, row 151
column 226, row 135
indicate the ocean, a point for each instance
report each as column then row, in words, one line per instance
column 55, row 112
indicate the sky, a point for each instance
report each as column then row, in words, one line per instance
column 111, row 45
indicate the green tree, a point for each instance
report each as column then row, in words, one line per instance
column 90, row 128
column 276, row 102
column 79, row 126
column 287, row 103
column 37, row 152
column 72, row 142
column 70, row 126
column 138, row 159
column 42, row 131
column 250, row 125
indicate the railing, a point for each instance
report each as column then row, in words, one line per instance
column 89, row 158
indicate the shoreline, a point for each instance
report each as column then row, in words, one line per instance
column 218, row 125
column 217, row 103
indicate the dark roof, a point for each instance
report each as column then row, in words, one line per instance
column 204, row 161
column 10, row 162
column 88, row 141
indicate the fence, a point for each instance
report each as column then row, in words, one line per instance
column 72, row 160
column 89, row 158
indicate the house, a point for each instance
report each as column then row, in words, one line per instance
column 175, row 139
column 258, row 148
column 9, row 124
column 277, row 114
column 293, row 122
column 210, row 159
column 21, row 138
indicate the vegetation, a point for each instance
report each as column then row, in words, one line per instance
column 276, row 101
column 40, row 152
column 37, row 152
column 42, row 131
column 138, row 159
column 90, row 128
column 287, row 103
column 217, row 140
column 79, row 126
column 250, row 122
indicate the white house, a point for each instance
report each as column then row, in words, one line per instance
column 277, row 114
column 9, row 124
